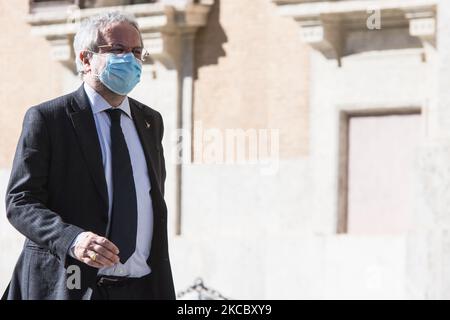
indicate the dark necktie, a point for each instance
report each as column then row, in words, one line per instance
column 123, row 224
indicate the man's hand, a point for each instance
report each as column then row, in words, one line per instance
column 96, row 251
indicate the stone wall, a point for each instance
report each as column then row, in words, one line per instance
column 252, row 73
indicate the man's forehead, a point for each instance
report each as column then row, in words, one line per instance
column 123, row 32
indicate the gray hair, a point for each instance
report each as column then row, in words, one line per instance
column 91, row 28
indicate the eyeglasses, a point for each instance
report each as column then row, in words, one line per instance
column 139, row 52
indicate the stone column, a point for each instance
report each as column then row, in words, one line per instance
column 428, row 260
column 180, row 47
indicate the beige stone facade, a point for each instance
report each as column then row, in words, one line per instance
column 250, row 74
column 29, row 77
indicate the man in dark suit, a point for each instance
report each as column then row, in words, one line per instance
column 87, row 183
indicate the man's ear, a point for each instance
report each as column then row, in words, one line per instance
column 85, row 60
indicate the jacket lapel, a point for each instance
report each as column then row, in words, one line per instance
column 146, row 131
column 84, row 124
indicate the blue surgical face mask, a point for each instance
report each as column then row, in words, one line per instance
column 121, row 73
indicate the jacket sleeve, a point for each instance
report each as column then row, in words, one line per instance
column 27, row 194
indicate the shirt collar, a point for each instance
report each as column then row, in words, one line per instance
column 99, row 104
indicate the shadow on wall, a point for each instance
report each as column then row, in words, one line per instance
column 380, row 40
column 209, row 41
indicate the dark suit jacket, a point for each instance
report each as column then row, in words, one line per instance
column 58, row 189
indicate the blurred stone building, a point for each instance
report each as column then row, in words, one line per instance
column 356, row 203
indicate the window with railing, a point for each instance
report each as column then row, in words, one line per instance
column 39, row 5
